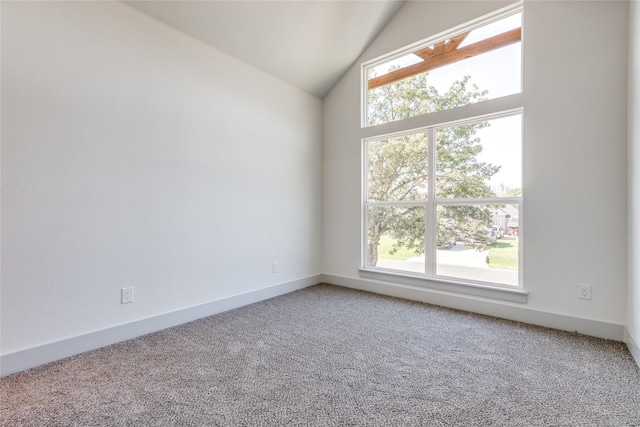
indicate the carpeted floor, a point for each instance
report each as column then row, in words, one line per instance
column 328, row 356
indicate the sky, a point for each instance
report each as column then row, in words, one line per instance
column 502, row 146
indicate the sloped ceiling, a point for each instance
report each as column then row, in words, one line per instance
column 309, row 44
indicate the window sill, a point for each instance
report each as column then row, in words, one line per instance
column 475, row 289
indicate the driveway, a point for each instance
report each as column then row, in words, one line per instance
column 458, row 262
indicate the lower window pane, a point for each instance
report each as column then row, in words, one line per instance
column 395, row 238
column 478, row 243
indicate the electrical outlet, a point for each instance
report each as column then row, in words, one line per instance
column 126, row 295
column 584, row 291
column 276, row 266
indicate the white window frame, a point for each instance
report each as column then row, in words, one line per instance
column 492, row 109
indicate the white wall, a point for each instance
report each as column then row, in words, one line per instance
column 574, row 169
column 633, row 309
column 133, row 155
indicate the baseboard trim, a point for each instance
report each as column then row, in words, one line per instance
column 40, row 355
column 499, row 309
column 633, row 344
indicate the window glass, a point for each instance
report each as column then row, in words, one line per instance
column 398, row 168
column 481, row 243
column 396, row 237
column 480, row 160
column 469, row 67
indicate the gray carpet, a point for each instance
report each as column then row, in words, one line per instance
column 327, row 356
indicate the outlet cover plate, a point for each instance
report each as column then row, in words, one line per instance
column 126, row 295
column 584, row 291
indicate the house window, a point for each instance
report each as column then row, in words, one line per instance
column 443, row 201
column 473, row 63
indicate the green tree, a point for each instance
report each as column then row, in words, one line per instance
column 398, row 167
column 503, row 190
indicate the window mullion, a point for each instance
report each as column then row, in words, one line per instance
column 430, row 208
column 479, row 201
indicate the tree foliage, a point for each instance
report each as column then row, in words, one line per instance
column 398, row 167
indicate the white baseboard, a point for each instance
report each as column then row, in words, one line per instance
column 36, row 356
column 499, row 309
column 633, row 344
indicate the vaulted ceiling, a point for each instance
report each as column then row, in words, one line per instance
column 309, row 44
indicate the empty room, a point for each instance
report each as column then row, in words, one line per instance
column 371, row 213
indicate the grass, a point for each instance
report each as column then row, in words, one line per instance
column 503, row 255
column 386, row 245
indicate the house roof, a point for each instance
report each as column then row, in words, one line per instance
column 309, row 44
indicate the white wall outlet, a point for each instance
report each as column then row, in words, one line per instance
column 584, row 291
column 276, row 266
column 126, row 295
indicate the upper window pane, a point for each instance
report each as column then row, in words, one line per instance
column 397, row 168
column 480, row 160
column 469, row 67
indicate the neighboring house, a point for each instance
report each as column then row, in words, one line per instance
column 507, row 217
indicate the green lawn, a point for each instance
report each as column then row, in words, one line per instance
column 504, row 255
column 386, row 244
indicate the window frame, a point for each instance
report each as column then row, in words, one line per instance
column 495, row 108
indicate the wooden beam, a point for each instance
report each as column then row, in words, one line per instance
column 442, row 47
column 447, row 57
column 454, row 42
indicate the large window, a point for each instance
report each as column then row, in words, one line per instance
column 444, row 200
